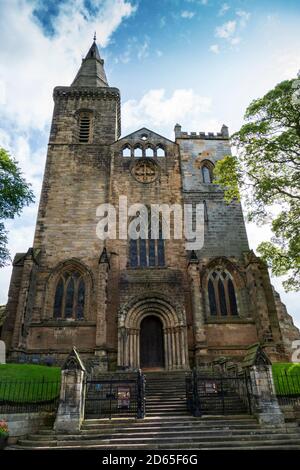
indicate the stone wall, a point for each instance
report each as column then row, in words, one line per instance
column 22, row 424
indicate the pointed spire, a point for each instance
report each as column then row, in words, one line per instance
column 91, row 72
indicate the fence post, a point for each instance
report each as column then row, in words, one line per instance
column 140, row 412
column 70, row 412
column 196, row 401
column 265, row 403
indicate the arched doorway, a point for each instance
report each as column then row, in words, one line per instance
column 151, row 343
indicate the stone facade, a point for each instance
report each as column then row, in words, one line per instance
column 213, row 302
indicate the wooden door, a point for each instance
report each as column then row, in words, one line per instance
column 151, row 343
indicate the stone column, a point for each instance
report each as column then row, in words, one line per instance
column 101, row 290
column 197, row 307
column 2, row 352
column 264, row 403
column 70, row 412
column 25, row 300
column 166, row 334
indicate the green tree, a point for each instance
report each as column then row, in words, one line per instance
column 15, row 193
column 266, row 170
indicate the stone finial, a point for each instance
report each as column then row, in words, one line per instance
column 104, row 257
column 73, row 361
column 193, row 258
column 256, row 356
column 177, row 130
column 225, row 131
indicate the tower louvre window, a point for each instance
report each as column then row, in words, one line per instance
column 85, row 128
column 221, row 294
column 206, row 174
column 207, row 168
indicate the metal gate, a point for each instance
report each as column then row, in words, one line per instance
column 115, row 397
column 217, row 394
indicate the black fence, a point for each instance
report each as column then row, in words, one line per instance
column 211, row 393
column 115, row 397
column 21, row 396
column 287, row 387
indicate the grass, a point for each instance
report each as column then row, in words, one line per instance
column 28, row 383
column 286, row 378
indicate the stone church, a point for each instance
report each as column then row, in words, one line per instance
column 145, row 303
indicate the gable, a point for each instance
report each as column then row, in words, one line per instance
column 144, row 135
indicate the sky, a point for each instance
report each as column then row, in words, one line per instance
column 195, row 62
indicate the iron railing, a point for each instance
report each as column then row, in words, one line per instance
column 287, row 387
column 209, row 392
column 22, row 396
column 115, row 397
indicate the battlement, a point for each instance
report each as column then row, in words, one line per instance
column 223, row 135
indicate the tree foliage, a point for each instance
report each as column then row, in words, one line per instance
column 15, row 193
column 267, row 172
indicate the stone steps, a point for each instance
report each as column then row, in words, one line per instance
column 152, row 433
column 242, row 432
column 169, row 443
column 169, row 426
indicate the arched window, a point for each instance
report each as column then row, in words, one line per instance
column 147, row 252
column 206, row 176
column 138, row 152
column 126, row 152
column 149, row 152
column 69, row 298
column 85, row 127
column 160, row 151
column 221, row 294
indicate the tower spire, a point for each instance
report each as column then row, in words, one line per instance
column 91, row 72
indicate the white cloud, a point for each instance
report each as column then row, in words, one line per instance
column 224, row 8
column 226, row 30
column 230, row 30
column 215, row 48
column 187, row 14
column 30, row 65
column 288, row 63
column 30, row 62
column 162, row 22
column 143, row 49
column 244, row 17
column 234, row 41
column 155, row 109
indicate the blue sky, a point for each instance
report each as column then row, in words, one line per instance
column 196, row 62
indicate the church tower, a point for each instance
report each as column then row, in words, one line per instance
column 86, row 121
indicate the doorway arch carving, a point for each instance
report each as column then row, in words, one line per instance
column 174, row 331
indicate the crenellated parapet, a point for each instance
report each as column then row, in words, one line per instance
column 223, row 135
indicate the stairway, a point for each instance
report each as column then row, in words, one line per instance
column 165, row 394
column 168, row 425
